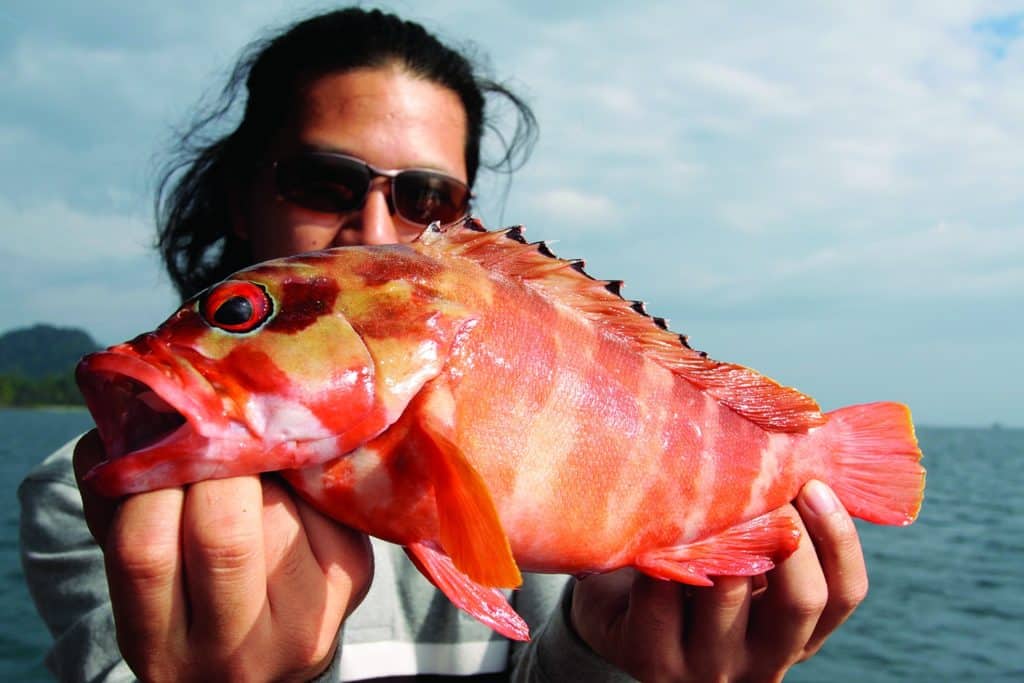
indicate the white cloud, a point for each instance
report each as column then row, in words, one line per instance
column 747, row 88
column 948, row 263
column 867, row 164
column 750, row 217
column 617, row 100
column 95, row 271
column 573, row 209
column 54, row 233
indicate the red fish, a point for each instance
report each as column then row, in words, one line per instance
column 491, row 408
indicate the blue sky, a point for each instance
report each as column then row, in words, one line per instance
column 829, row 193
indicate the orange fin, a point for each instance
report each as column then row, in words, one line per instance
column 471, row 532
column 877, row 471
column 486, row 605
column 747, row 392
column 748, row 549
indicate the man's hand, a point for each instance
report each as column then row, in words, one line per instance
column 231, row 579
column 741, row 629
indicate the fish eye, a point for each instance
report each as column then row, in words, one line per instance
column 236, row 306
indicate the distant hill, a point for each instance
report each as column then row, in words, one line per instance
column 43, row 350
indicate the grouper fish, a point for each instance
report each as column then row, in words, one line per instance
column 492, row 409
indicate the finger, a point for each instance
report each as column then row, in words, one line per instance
column 634, row 621
column 222, row 537
column 292, row 571
column 99, row 510
column 656, row 621
column 599, row 604
column 655, row 616
column 145, row 574
column 784, row 618
column 344, row 555
column 320, row 576
column 838, row 548
column 309, row 590
column 717, row 626
column 303, row 610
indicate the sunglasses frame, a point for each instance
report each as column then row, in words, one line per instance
column 374, row 172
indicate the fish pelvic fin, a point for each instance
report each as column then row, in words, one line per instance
column 486, row 605
column 758, row 398
column 875, row 466
column 747, row 549
column 470, row 530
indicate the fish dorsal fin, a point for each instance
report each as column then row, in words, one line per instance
column 747, row 392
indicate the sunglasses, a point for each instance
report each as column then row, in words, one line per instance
column 336, row 183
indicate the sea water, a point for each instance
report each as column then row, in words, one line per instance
column 946, row 600
column 26, row 437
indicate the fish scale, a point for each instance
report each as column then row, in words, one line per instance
column 491, row 408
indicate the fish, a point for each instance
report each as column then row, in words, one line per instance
column 491, row 408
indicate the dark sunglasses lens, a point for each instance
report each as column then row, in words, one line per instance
column 323, row 183
column 423, row 197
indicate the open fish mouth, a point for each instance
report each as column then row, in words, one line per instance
column 149, row 425
column 129, row 415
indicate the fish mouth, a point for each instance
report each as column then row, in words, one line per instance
column 129, row 415
column 151, row 427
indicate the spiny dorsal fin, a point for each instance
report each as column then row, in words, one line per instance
column 747, row 392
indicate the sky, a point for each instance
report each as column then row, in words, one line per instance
column 830, row 193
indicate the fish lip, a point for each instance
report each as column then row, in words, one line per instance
column 122, row 389
column 97, row 373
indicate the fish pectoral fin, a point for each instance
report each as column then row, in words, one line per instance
column 471, row 533
column 486, row 605
column 747, row 549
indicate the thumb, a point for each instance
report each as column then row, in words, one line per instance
column 99, row 510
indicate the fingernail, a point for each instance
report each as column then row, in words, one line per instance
column 820, row 498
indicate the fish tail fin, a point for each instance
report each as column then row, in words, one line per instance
column 875, row 465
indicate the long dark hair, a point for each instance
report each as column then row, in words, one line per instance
column 196, row 242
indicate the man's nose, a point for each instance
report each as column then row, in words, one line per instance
column 376, row 222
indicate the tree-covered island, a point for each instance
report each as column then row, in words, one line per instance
column 37, row 365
